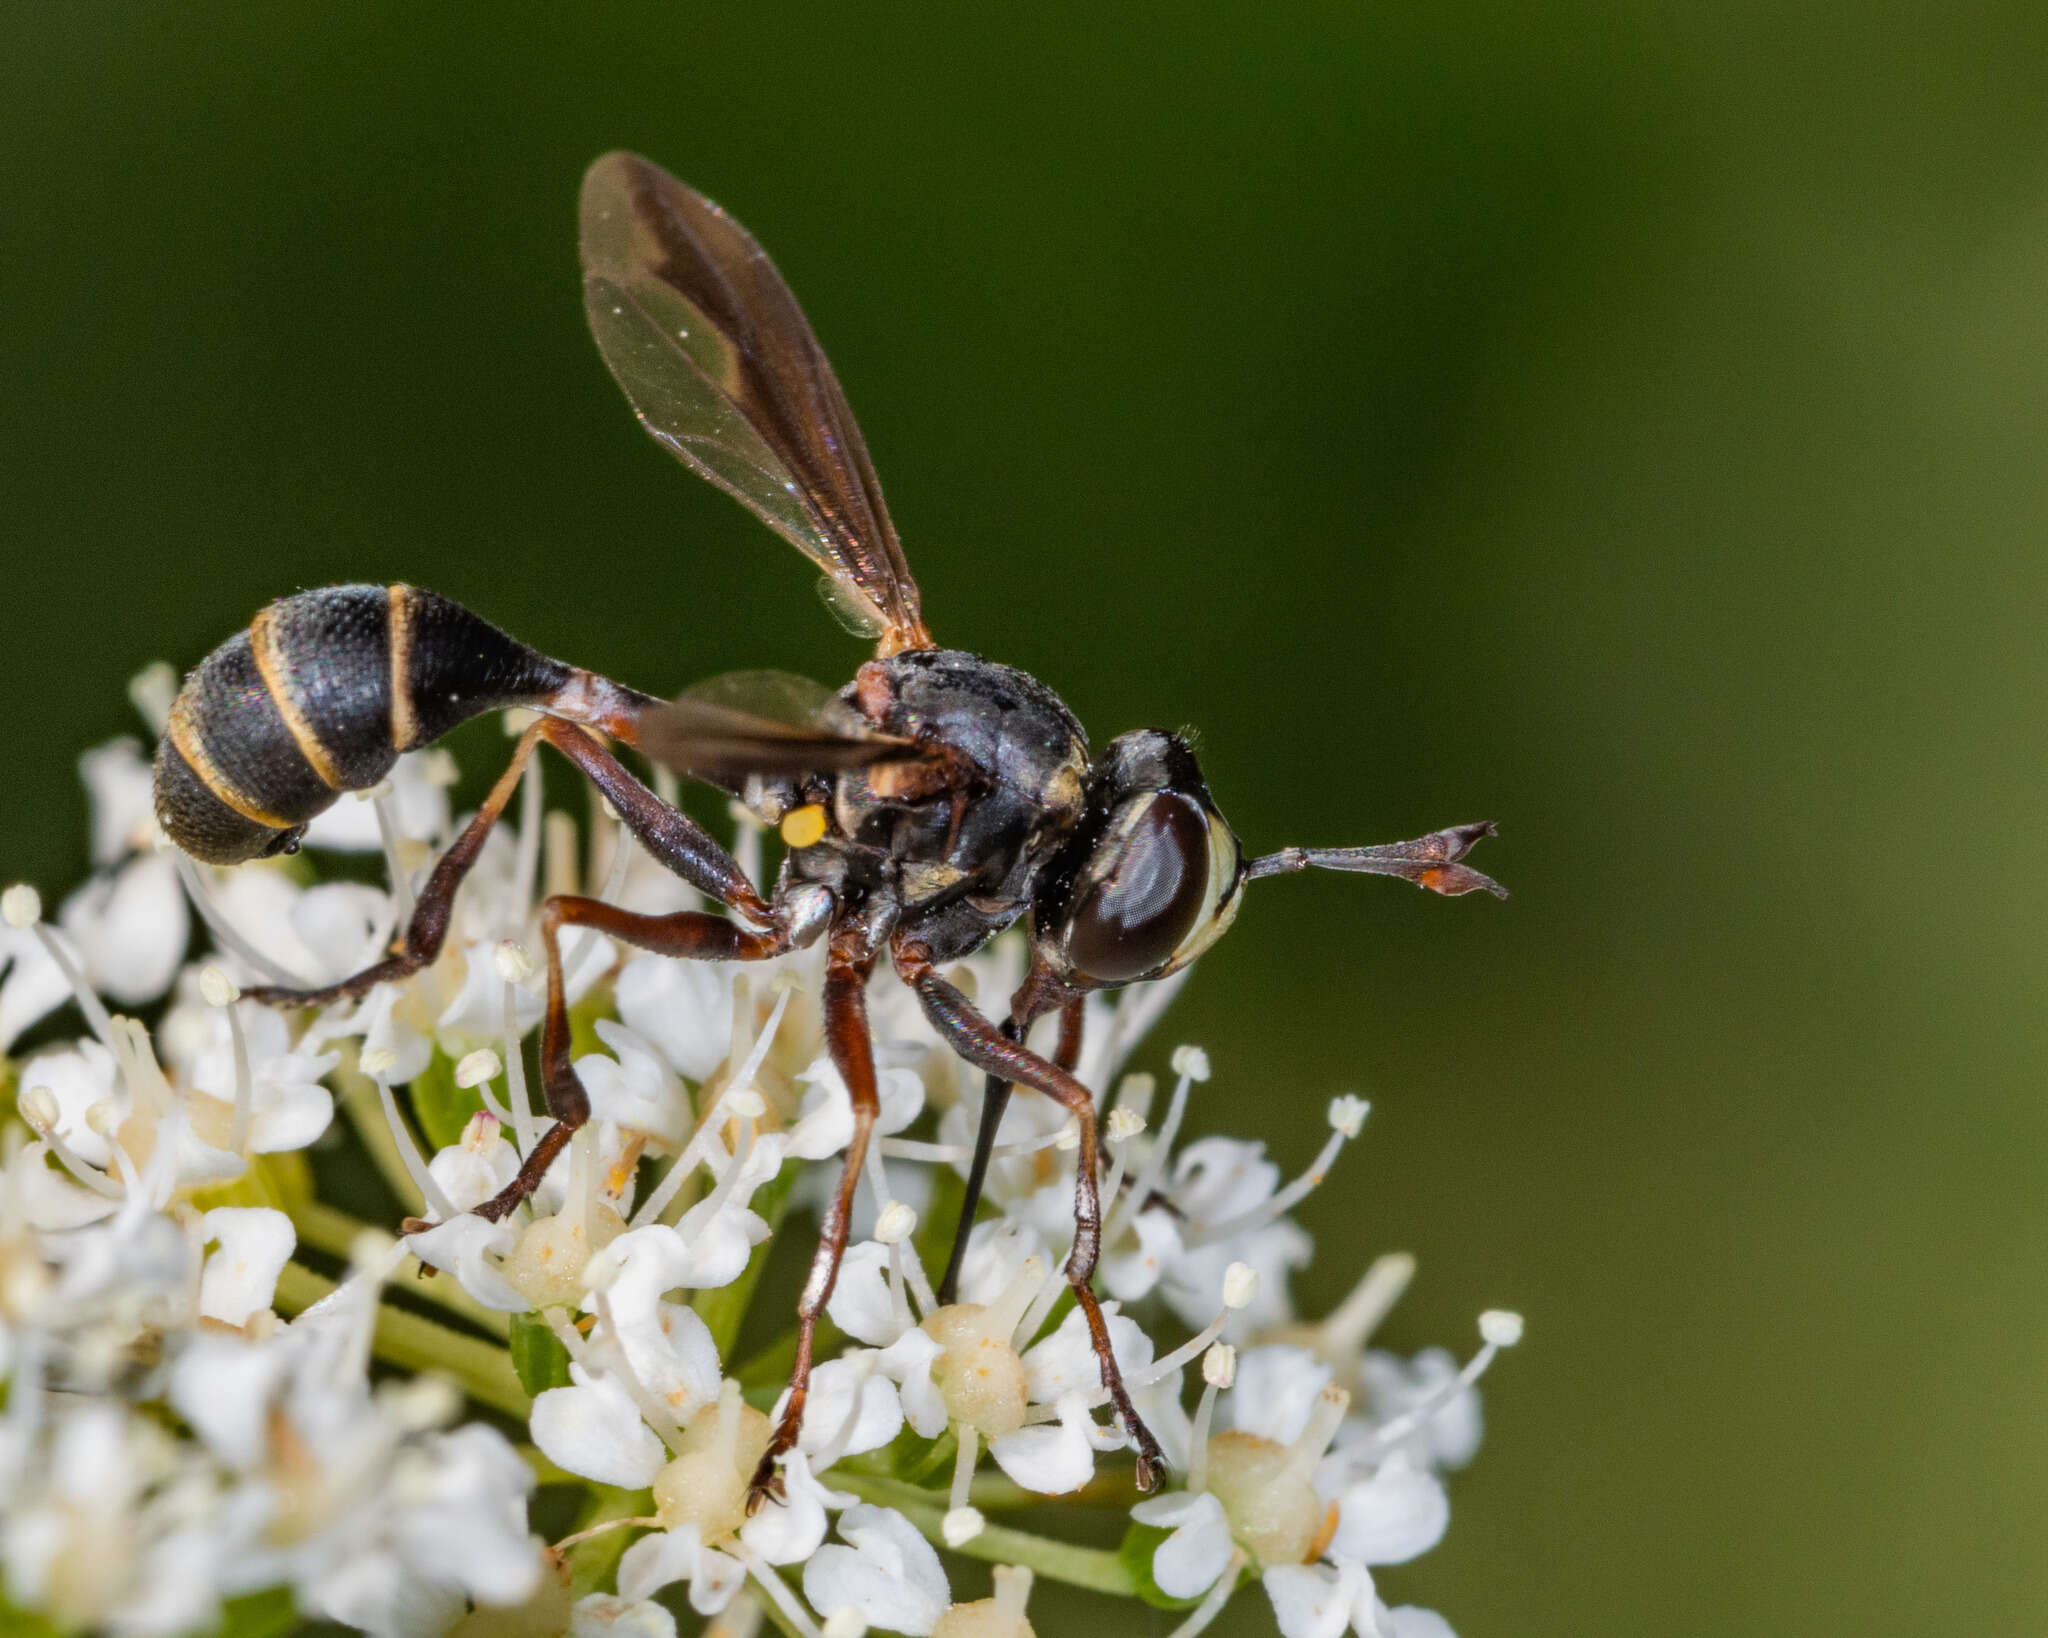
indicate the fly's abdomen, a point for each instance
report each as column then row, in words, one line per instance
column 318, row 697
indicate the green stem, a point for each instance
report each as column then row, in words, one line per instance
column 365, row 1112
column 415, row 1343
column 776, row 1619
column 327, row 1229
column 1090, row 1567
column 993, row 1492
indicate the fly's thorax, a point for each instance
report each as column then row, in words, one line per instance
column 998, row 792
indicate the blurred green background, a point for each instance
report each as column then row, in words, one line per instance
column 1626, row 422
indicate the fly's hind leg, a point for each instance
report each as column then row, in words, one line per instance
column 848, row 962
column 689, row 934
column 1025, row 1010
column 673, row 838
column 978, row 1041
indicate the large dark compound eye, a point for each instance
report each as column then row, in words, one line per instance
column 1144, row 890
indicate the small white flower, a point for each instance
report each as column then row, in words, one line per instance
column 1051, row 1459
column 1319, row 1601
column 1187, row 1563
column 852, row 1408
column 241, row 1275
column 477, row 1013
column 787, row 1531
column 666, row 1346
column 1399, row 1513
column 889, row 1573
column 635, row 1087
column 1277, row 1386
column 666, row 1556
column 600, row 1615
column 683, row 1007
column 475, row 1169
column 131, row 927
column 1449, row 1436
column 594, row 1428
column 471, row 1249
column 416, row 800
column 825, row 1123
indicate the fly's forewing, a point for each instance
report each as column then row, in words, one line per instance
column 719, row 361
column 759, row 722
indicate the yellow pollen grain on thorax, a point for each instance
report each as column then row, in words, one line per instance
column 804, row 826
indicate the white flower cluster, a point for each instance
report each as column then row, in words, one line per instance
column 171, row 1449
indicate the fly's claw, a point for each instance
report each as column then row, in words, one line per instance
column 766, row 1485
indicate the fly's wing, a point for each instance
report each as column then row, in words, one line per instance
column 758, row 722
column 719, row 362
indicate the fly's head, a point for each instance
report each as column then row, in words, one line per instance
column 1151, row 877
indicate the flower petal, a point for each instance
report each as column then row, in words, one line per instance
column 1051, row 1459
column 1397, row 1514
column 594, row 1429
column 241, row 1276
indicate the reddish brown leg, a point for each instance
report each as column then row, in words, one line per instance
column 673, row 838
column 848, row 962
column 1028, row 1005
column 988, row 1048
column 688, row 933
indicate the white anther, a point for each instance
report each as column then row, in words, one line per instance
column 844, row 1622
column 745, row 1102
column 518, row 720
column 511, row 962
column 480, row 1131
column 1240, row 1285
column 437, row 767
column 1069, row 1138
column 1500, row 1327
column 896, row 1223
column 378, row 1061
column 610, row 812
column 1124, row 1124
column 1347, row 1114
column 1191, row 1061
column 370, row 793
column 21, row 906
column 478, row 1067
column 39, row 1108
column 1219, row 1365
column 103, row 1118
column 961, row 1526
column 218, row 989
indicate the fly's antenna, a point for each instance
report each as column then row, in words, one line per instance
column 1431, row 862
